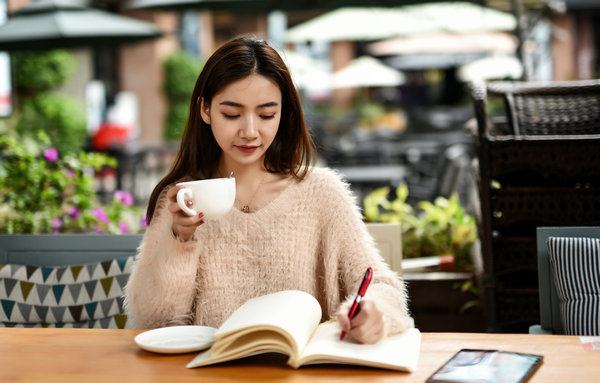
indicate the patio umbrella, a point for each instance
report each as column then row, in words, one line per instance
column 445, row 42
column 366, row 72
column 262, row 5
column 51, row 24
column 356, row 24
column 307, row 74
column 216, row 5
column 376, row 23
column 491, row 68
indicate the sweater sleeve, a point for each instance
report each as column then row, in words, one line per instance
column 161, row 288
column 353, row 249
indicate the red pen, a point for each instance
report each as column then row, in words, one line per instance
column 359, row 296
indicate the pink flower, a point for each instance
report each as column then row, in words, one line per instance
column 74, row 212
column 125, row 197
column 70, row 173
column 98, row 229
column 144, row 221
column 124, row 228
column 51, row 154
column 56, row 223
column 100, row 215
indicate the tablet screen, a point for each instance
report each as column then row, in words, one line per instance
column 489, row 366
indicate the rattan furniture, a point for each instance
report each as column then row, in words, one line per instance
column 538, row 151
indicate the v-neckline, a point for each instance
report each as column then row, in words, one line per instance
column 272, row 201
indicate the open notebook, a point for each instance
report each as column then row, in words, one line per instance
column 287, row 322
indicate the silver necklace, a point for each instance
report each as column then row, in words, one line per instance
column 246, row 207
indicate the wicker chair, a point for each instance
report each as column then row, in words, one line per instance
column 557, row 108
column 539, row 165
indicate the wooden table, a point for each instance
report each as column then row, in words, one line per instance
column 84, row 355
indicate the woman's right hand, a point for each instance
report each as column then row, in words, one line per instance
column 183, row 226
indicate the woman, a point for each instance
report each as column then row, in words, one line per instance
column 292, row 226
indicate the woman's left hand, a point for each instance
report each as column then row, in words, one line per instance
column 367, row 326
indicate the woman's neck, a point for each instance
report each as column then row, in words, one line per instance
column 242, row 173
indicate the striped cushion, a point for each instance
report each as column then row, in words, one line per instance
column 88, row 295
column 575, row 264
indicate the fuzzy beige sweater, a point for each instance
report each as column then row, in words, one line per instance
column 311, row 237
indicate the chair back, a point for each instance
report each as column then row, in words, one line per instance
column 538, row 164
column 388, row 240
column 550, row 108
column 550, row 316
column 65, row 280
column 65, row 249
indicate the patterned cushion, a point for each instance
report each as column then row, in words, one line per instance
column 575, row 263
column 88, row 295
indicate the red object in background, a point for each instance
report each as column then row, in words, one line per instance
column 447, row 263
column 111, row 136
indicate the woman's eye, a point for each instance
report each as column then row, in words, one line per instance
column 231, row 116
column 267, row 117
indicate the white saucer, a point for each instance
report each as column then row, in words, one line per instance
column 176, row 339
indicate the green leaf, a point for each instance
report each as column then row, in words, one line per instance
column 433, row 228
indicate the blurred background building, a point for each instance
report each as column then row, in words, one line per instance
column 558, row 40
column 382, row 85
column 385, row 85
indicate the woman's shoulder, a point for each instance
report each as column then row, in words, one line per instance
column 321, row 174
column 326, row 180
column 331, row 194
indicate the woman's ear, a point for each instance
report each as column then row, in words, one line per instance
column 204, row 111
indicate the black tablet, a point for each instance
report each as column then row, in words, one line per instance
column 487, row 366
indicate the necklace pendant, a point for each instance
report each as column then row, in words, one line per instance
column 246, row 209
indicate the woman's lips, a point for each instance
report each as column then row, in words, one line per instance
column 247, row 149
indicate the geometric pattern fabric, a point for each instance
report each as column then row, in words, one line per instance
column 88, row 295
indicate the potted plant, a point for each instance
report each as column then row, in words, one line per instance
column 439, row 301
column 438, row 228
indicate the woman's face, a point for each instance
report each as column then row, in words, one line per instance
column 244, row 118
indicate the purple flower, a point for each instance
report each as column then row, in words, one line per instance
column 56, row 223
column 98, row 229
column 74, row 212
column 70, row 173
column 100, row 215
column 125, row 197
column 124, row 228
column 144, row 221
column 51, row 154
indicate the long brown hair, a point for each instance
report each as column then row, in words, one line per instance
column 292, row 149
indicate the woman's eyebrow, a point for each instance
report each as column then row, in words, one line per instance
column 237, row 105
column 231, row 103
column 268, row 104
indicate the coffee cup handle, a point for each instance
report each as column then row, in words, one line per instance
column 182, row 194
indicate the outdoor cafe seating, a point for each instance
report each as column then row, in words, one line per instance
column 538, row 165
column 67, row 280
column 569, row 284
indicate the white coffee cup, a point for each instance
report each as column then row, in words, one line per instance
column 214, row 197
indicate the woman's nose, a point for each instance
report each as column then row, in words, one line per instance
column 250, row 129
